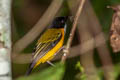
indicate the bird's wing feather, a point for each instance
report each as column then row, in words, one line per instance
column 47, row 41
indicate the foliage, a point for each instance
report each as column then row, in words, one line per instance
column 52, row 73
column 81, row 76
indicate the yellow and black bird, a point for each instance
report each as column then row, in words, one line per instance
column 50, row 42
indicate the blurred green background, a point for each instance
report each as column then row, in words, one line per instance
column 27, row 12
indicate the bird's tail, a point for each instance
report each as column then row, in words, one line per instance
column 31, row 66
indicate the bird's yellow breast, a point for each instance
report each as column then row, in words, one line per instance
column 50, row 54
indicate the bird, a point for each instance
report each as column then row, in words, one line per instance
column 49, row 43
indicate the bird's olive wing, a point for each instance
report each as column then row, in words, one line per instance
column 47, row 41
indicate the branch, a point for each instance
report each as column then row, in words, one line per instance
column 39, row 26
column 23, row 58
column 5, row 40
column 103, row 51
column 86, row 59
column 66, row 50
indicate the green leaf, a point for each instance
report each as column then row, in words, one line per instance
column 78, row 65
column 52, row 73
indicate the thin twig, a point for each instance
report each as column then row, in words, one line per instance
column 39, row 27
column 66, row 50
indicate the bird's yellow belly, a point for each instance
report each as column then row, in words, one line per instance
column 48, row 56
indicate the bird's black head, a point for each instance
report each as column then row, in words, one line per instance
column 59, row 22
